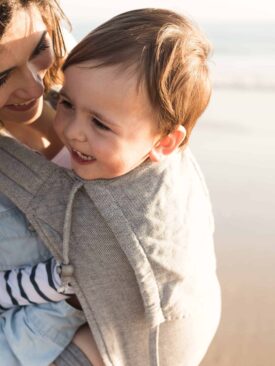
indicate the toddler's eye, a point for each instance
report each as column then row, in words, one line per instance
column 100, row 125
column 65, row 103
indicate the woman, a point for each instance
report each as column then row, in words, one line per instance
column 24, row 76
column 127, row 334
column 32, row 51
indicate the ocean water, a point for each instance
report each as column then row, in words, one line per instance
column 243, row 53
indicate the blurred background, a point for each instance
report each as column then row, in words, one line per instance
column 234, row 143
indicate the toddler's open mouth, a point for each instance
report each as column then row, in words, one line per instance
column 81, row 157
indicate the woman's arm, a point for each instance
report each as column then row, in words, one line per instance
column 85, row 343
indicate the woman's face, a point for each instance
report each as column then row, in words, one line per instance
column 25, row 55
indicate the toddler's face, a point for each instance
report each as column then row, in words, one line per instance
column 105, row 121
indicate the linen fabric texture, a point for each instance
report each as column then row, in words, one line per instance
column 141, row 246
column 72, row 356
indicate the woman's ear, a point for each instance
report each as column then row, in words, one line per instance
column 168, row 144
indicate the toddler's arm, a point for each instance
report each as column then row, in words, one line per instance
column 31, row 285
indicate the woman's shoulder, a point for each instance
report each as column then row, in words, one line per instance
column 19, row 243
column 12, row 221
column 5, row 203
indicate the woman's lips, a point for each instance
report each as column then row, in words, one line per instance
column 22, row 107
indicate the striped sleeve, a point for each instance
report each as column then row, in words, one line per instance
column 31, row 285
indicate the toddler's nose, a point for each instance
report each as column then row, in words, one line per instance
column 75, row 131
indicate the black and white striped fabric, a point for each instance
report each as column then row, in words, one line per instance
column 31, row 285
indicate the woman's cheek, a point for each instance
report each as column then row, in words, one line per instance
column 45, row 61
column 2, row 101
column 5, row 92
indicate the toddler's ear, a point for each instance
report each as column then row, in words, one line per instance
column 168, row 144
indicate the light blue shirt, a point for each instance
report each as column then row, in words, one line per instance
column 32, row 335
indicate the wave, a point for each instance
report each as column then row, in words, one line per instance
column 245, row 71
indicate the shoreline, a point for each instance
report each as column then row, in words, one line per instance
column 234, row 146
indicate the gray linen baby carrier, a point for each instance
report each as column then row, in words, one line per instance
column 141, row 247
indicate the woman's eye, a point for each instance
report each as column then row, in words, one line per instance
column 4, row 79
column 100, row 125
column 43, row 45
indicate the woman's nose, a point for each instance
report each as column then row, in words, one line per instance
column 32, row 86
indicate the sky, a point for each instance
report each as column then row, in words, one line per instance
column 200, row 10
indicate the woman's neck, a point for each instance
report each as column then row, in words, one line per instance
column 39, row 135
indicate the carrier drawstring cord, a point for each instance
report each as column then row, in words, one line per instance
column 66, row 269
column 154, row 346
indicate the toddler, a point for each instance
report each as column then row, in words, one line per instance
column 134, row 215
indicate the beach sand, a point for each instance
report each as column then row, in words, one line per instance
column 234, row 143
